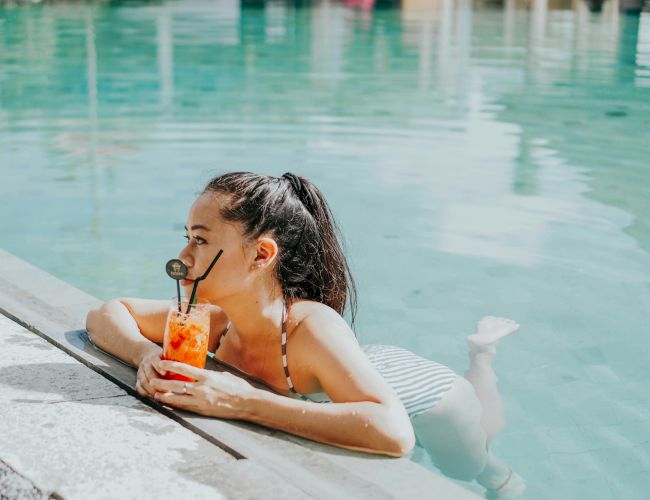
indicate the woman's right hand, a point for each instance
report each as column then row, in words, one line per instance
column 149, row 369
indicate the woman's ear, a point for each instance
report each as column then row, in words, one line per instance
column 267, row 251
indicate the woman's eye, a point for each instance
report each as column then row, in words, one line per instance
column 197, row 239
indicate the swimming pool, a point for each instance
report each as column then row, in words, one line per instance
column 480, row 159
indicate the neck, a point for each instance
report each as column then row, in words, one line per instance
column 255, row 314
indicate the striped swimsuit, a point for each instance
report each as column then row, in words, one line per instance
column 420, row 383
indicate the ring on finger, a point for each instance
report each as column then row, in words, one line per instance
column 184, row 391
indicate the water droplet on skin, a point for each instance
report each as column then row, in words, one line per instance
column 304, row 411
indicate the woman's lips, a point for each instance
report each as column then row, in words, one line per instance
column 187, row 282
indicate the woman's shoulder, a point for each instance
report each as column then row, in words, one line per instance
column 314, row 326
column 315, row 333
column 314, row 317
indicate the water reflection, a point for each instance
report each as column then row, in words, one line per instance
column 496, row 155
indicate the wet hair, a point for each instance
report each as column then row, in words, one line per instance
column 311, row 263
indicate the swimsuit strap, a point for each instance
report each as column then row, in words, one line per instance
column 222, row 336
column 284, row 350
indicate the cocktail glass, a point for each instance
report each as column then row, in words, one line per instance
column 186, row 336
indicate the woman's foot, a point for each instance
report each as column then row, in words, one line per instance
column 489, row 331
column 514, row 487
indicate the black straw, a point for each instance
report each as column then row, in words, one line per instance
column 178, row 294
column 197, row 280
column 214, row 261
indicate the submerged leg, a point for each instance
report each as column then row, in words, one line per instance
column 481, row 374
column 499, row 480
column 452, row 435
column 451, row 432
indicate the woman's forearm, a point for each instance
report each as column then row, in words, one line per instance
column 361, row 426
column 112, row 328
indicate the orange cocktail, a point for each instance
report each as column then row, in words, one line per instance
column 186, row 336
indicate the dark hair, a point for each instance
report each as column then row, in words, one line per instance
column 311, row 264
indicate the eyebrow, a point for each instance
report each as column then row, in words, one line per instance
column 198, row 226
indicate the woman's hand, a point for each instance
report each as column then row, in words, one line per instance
column 149, row 370
column 214, row 394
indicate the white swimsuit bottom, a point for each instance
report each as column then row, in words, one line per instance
column 419, row 382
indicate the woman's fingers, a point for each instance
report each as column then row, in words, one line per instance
column 176, row 386
column 150, row 374
column 145, row 383
column 177, row 400
column 140, row 389
column 184, row 369
column 149, row 371
column 156, row 366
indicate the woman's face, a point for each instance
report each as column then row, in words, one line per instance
column 207, row 233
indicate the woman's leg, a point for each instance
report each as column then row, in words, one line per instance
column 452, row 434
column 480, row 373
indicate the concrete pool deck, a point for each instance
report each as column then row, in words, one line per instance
column 75, row 426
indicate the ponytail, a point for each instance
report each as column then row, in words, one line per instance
column 311, row 263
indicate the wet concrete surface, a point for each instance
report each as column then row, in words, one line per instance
column 70, row 432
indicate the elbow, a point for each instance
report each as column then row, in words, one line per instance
column 399, row 432
column 94, row 319
column 403, row 443
column 91, row 321
column 407, row 445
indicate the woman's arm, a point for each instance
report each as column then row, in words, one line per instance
column 382, row 428
column 128, row 328
column 131, row 328
column 361, row 426
column 365, row 413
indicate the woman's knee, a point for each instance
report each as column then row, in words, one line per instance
column 465, row 468
column 468, row 456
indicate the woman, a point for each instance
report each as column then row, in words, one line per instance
column 277, row 295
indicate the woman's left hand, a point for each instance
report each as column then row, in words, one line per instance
column 214, row 394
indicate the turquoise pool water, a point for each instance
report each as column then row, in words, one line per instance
column 480, row 159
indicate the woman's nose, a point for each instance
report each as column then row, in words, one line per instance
column 186, row 257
